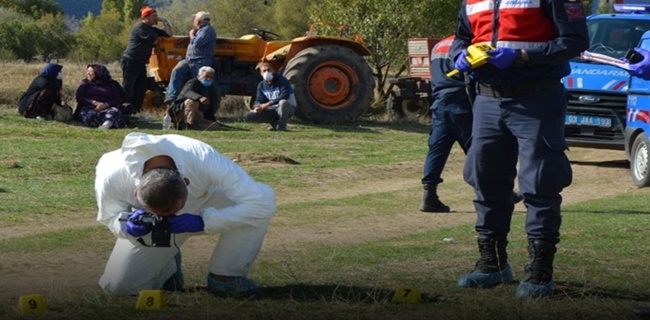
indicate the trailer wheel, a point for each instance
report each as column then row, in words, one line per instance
column 639, row 161
column 413, row 110
column 332, row 84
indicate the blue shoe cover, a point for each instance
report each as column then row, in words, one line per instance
column 486, row 280
column 240, row 286
column 529, row 290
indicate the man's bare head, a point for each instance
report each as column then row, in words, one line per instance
column 162, row 190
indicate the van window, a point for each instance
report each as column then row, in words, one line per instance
column 614, row 37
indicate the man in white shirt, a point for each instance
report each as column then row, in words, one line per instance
column 198, row 191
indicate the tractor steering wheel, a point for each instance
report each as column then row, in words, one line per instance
column 265, row 35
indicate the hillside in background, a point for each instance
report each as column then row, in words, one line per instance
column 79, row 9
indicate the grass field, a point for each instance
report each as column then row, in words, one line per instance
column 346, row 236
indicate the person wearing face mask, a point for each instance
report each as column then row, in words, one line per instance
column 197, row 103
column 42, row 94
column 203, row 40
column 197, row 191
column 275, row 102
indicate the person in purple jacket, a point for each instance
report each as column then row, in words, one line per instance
column 99, row 99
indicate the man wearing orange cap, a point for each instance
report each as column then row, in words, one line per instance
column 134, row 61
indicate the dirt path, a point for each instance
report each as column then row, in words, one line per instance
column 597, row 174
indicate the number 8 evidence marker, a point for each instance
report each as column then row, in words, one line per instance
column 150, row 300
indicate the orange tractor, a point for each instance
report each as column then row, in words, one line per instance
column 332, row 81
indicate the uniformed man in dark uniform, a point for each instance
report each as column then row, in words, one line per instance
column 519, row 117
column 452, row 121
column 641, row 69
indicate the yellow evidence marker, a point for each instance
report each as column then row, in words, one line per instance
column 407, row 295
column 31, row 304
column 476, row 56
column 150, row 300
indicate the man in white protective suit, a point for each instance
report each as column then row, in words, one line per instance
column 158, row 190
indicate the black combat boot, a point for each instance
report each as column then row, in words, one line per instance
column 430, row 200
column 538, row 273
column 492, row 268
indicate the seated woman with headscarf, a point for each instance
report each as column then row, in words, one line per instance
column 99, row 99
column 41, row 95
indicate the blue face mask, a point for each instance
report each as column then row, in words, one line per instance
column 206, row 83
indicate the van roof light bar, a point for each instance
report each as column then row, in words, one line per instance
column 631, row 8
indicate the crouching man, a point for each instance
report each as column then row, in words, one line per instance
column 156, row 191
column 275, row 102
column 196, row 105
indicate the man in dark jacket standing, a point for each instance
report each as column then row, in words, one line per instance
column 452, row 122
column 196, row 105
column 134, row 61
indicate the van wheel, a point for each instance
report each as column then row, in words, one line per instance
column 639, row 161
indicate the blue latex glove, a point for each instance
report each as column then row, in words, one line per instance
column 502, row 57
column 186, row 222
column 641, row 69
column 135, row 229
column 461, row 64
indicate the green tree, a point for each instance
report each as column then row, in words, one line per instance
column 113, row 5
column 32, row 8
column 236, row 18
column 290, row 17
column 19, row 38
column 131, row 9
column 101, row 39
column 384, row 30
column 54, row 40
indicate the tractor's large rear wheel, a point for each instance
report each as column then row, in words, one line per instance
column 332, row 84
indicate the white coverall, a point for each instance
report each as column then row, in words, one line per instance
column 230, row 202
